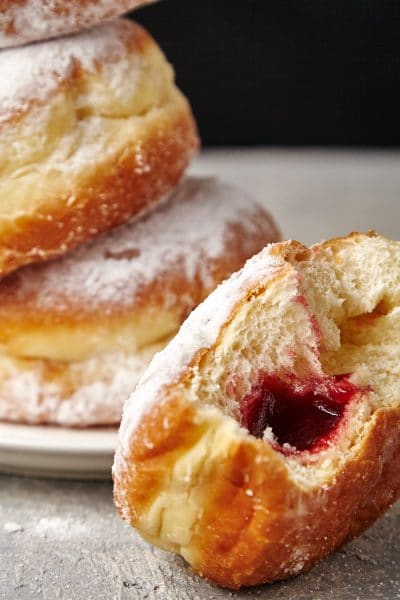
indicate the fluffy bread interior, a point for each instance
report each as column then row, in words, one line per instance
column 334, row 311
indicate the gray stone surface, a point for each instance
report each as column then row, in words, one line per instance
column 317, row 194
column 63, row 539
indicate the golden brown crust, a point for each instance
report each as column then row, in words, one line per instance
column 120, row 190
column 328, row 517
column 246, row 540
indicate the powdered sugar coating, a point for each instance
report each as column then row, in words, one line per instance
column 100, row 386
column 31, row 74
column 29, row 20
column 185, row 234
column 200, row 331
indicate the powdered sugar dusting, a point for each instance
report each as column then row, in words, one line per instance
column 31, row 74
column 200, row 331
column 41, row 19
column 60, row 528
column 183, row 235
column 92, row 392
column 12, row 527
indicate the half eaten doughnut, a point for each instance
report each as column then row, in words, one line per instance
column 267, row 433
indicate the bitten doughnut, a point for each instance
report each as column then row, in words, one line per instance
column 267, row 433
column 23, row 21
column 92, row 132
column 76, row 333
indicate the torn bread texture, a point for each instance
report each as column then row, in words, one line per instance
column 241, row 509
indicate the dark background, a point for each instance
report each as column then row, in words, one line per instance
column 286, row 72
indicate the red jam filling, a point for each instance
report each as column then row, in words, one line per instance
column 303, row 414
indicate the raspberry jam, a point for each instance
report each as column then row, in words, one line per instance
column 303, row 414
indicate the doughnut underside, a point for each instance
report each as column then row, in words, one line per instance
column 75, row 394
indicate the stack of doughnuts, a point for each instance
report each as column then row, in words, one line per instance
column 105, row 246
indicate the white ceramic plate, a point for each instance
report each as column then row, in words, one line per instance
column 57, row 452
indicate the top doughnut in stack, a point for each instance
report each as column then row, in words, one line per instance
column 93, row 130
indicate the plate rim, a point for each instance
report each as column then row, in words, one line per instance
column 15, row 437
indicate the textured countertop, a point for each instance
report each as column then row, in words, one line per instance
column 63, row 540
